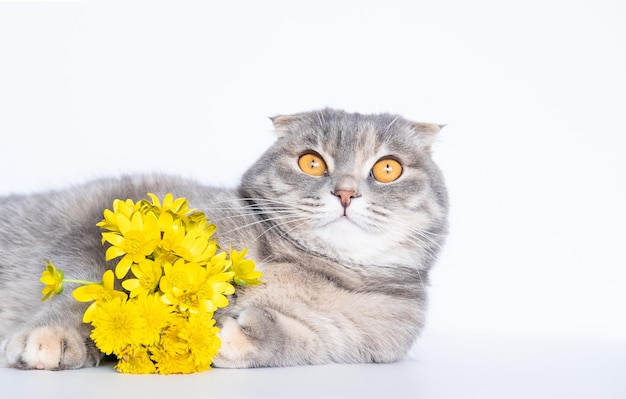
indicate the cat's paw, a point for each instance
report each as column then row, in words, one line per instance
column 237, row 348
column 250, row 338
column 51, row 348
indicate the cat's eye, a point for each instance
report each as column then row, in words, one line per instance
column 387, row 170
column 312, row 164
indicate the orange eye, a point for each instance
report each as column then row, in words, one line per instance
column 387, row 170
column 312, row 164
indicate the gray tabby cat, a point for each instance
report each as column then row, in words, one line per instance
column 344, row 214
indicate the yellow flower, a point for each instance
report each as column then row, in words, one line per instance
column 135, row 360
column 157, row 316
column 180, row 285
column 138, row 237
column 200, row 334
column 52, row 278
column 196, row 246
column 171, row 344
column 198, row 219
column 166, row 220
column 124, row 208
column 148, row 273
column 172, row 355
column 173, row 364
column 244, row 269
column 99, row 293
column 173, row 232
column 178, row 206
column 215, row 289
column 180, row 277
column 117, row 325
column 218, row 264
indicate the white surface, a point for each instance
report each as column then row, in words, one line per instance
column 447, row 367
column 527, row 299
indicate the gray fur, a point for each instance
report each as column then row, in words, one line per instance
column 335, row 290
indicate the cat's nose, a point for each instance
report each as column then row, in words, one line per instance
column 345, row 196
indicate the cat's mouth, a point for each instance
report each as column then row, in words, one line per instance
column 347, row 220
column 341, row 220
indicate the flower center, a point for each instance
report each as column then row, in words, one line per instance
column 132, row 242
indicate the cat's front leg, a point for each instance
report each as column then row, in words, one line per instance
column 53, row 342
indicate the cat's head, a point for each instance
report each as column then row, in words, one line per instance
column 358, row 188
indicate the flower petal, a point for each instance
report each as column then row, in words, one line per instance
column 121, row 270
column 114, row 252
column 113, row 238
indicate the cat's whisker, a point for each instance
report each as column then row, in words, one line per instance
column 279, row 225
column 253, row 213
column 250, row 210
column 425, row 247
column 288, row 217
column 259, row 211
column 237, row 203
column 419, row 274
column 265, row 200
column 424, row 234
column 424, row 239
column 426, row 244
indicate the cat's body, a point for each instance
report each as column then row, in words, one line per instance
column 345, row 255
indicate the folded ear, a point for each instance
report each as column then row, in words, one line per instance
column 284, row 123
column 427, row 133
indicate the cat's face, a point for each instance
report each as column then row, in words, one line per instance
column 353, row 187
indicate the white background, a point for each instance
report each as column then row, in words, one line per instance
column 533, row 94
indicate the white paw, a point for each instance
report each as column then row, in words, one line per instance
column 50, row 348
column 236, row 346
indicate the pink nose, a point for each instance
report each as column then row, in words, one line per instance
column 345, row 196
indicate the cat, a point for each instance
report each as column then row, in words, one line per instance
column 345, row 214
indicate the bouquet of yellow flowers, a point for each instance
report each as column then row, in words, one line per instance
column 162, row 319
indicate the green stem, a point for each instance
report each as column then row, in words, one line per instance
column 82, row 282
